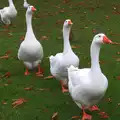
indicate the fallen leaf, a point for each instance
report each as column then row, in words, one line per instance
column 118, row 53
column 75, row 46
column 28, row 88
column 118, row 77
column 18, row 102
column 4, row 57
column 75, row 117
column 55, row 116
column 44, row 38
column 43, row 89
column 109, row 100
column 118, row 59
column 49, row 77
column 7, row 74
column 107, row 17
column 22, row 38
column 4, row 102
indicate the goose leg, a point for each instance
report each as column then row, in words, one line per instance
column 85, row 115
column 26, row 72
column 94, row 108
column 40, row 71
column 64, row 89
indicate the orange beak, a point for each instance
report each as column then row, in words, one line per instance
column 70, row 22
column 33, row 9
column 106, row 40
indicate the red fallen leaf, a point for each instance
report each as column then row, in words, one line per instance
column 55, row 116
column 118, row 77
column 44, row 38
column 18, row 102
column 49, row 77
column 92, row 9
column 4, row 102
column 22, row 38
column 75, row 117
column 7, row 74
column 28, row 88
column 8, row 52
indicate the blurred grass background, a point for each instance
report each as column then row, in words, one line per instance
column 45, row 98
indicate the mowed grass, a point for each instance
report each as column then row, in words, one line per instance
column 46, row 97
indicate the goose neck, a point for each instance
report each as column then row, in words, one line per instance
column 29, row 22
column 95, row 50
column 11, row 3
column 66, row 33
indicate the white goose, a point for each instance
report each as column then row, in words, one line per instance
column 8, row 13
column 30, row 51
column 25, row 5
column 87, row 86
column 61, row 61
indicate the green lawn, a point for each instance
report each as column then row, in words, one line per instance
column 46, row 97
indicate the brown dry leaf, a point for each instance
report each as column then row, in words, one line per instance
column 101, row 62
column 49, row 77
column 28, row 88
column 4, row 102
column 75, row 117
column 109, row 100
column 118, row 53
column 118, row 59
column 18, row 102
column 75, row 46
column 44, row 89
column 4, row 57
column 44, row 38
column 22, row 38
column 55, row 116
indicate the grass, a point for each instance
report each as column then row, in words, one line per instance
column 101, row 15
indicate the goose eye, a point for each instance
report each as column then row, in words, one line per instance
column 99, row 36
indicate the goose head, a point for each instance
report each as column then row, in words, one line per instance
column 101, row 39
column 31, row 9
column 67, row 23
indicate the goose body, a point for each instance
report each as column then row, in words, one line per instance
column 30, row 51
column 61, row 61
column 88, row 86
column 8, row 13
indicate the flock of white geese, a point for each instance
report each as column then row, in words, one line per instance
column 86, row 86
